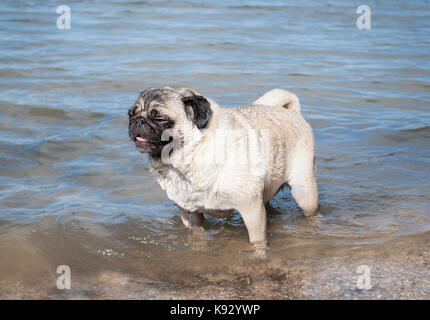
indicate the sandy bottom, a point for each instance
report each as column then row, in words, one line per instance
column 399, row 269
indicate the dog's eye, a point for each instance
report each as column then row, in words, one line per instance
column 160, row 119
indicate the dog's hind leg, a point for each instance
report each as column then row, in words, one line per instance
column 306, row 195
column 304, row 188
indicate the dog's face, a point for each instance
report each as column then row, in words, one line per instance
column 157, row 110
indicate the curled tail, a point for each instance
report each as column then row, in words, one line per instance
column 280, row 97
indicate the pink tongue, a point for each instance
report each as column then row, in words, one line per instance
column 140, row 139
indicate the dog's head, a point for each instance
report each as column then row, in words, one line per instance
column 158, row 110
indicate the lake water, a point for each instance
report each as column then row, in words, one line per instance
column 75, row 192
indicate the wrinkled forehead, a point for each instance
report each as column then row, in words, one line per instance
column 161, row 99
column 155, row 98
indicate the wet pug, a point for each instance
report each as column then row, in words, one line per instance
column 217, row 160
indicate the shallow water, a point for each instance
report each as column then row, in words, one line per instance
column 75, row 192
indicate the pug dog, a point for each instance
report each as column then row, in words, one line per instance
column 216, row 160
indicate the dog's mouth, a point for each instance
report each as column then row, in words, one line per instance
column 148, row 145
column 145, row 145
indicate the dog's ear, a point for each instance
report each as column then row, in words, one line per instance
column 198, row 109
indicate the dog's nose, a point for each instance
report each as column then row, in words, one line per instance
column 139, row 122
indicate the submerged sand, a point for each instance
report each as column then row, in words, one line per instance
column 201, row 269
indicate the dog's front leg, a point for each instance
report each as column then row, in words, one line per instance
column 197, row 235
column 191, row 219
column 254, row 215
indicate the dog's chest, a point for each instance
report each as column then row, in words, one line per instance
column 193, row 196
